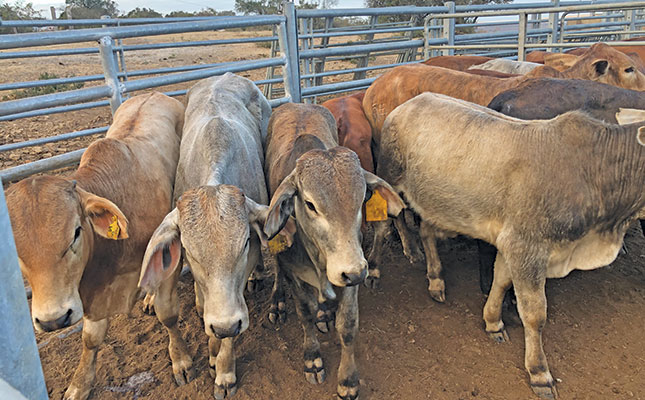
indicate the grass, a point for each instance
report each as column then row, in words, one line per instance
column 41, row 90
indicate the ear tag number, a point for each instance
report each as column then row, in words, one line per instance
column 113, row 229
column 376, row 208
column 278, row 244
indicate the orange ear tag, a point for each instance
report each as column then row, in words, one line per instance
column 278, row 244
column 376, row 208
column 113, row 229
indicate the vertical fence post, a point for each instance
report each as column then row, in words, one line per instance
column 449, row 29
column 521, row 38
column 630, row 16
column 110, row 71
column 19, row 362
column 552, row 36
column 288, row 39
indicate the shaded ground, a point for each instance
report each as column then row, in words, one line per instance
column 409, row 346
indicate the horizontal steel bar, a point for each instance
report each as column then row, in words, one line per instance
column 51, row 139
column 146, row 83
column 47, row 53
column 317, row 90
column 86, row 35
column 195, row 43
column 352, row 70
column 54, row 99
column 47, row 164
column 278, row 102
column 366, row 48
column 99, row 22
column 54, row 110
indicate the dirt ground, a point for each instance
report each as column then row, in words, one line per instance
column 409, row 347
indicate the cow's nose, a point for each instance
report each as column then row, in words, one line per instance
column 354, row 279
column 58, row 323
column 231, row 331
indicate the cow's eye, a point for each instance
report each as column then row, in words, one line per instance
column 630, row 69
column 77, row 234
column 310, row 206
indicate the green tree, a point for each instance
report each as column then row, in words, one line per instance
column 17, row 10
column 421, row 3
column 82, row 9
column 257, row 7
column 142, row 13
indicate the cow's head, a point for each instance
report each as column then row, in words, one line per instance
column 326, row 191
column 54, row 222
column 217, row 228
column 605, row 64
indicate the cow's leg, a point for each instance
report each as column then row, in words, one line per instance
column 305, row 306
column 493, row 308
column 487, row 254
column 347, row 327
column 221, row 361
column 149, row 304
column 529, row 280
column 255, row 283
column 408, row 240
column 325, row 315
column 436, row 284
column 167, row 309
column 93, row 335
column 199, row 300
column 381, row 230
column 278, row 307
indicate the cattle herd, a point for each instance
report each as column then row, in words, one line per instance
column 529, row 158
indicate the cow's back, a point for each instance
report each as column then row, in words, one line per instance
column 457, row 63
column 134, row 167
column 224, row 133
column 288, row 122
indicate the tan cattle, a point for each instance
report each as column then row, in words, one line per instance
column 560, row 61
column 457, row 63
column 81, row 239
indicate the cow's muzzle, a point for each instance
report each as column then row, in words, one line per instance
column 59, row 323
column 231, row 331
column 354, row 279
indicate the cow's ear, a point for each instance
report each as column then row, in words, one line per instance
column 257, row 218
column 394, row 203
column 163, row 253
column 640, row 136
column 106, row 218
column 626, row 116
column 281, row 206
column 600, row 67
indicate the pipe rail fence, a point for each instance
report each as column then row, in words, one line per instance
column 305, row 48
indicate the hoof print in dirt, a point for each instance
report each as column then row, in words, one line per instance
column 314, row 369
column 348, row 388
column 499, row 336
column 278, row 313
column 225, row 391
column 325, row 318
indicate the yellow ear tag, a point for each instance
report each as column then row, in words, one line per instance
column 113, row 229
column 376, row 208
column 278, row 244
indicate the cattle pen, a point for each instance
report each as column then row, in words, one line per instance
column 302, row 55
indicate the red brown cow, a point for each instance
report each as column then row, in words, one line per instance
column 354, row 131
column 69, row 231
column 457, row 63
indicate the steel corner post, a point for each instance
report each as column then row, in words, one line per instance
column 106, row 50
column 288, row 40
column 20, row 364
column 449, row 29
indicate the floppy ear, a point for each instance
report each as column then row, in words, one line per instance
column 600, row 67
column 640, row 136
column 394, row 203
column 281, row 206
column 106, row 218
column 162, row 254
column 626, row 116
column 257, row 218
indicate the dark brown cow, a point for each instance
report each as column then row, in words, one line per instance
column 64, row 231
column 354, row 131
column 324, row 186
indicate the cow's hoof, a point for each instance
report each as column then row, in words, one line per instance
column 254, row 285
column 74, row 393
column 225, row 390
column 148, row 304
column 278, row 313
column 314, row 369
column 373, row 280
column 324, row 318
column 547, row 391
column 437, row 289
column 499, row 336
column 183, row 373
column 348, row 388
